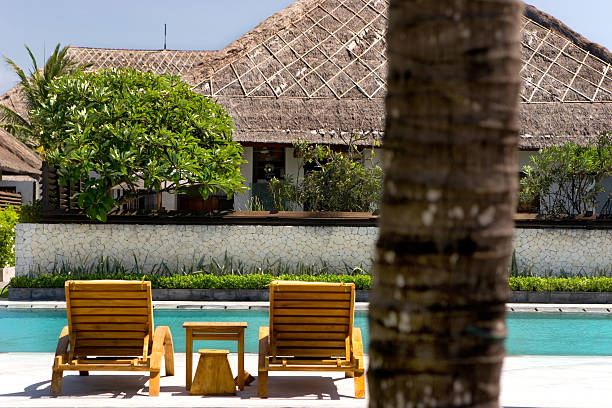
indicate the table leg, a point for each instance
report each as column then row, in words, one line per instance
column 241, row 361
column 188, row 358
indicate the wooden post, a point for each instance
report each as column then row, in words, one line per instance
column 45, row 188
column 241, row 374
column 188, row 358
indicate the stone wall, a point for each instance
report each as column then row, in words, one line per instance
column 40, row 246
column 547, row 251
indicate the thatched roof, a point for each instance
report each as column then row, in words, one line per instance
column 317, row 70
column 13, row 99
column 16, row 158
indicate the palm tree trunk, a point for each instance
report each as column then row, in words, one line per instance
column 451, row 175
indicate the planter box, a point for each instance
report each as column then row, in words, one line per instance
column 561, row 297
column 253, row 295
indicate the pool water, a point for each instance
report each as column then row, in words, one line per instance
column 529, row 333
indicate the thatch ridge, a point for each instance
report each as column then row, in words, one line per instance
column 550, row 22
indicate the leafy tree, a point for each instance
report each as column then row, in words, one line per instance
column 568, row 178
column 340, row 181
column 34, row 89
column 135, row 129
column 9, row 217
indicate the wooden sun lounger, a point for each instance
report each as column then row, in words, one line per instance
column 110, row 328
column 311, row 329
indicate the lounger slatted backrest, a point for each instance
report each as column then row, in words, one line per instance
column 109, row 318
column 311, row 319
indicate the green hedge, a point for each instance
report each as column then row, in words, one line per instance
column 550, row 284
column 195, row 281
column 261, row 281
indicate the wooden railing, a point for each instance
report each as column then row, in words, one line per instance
column 9, row 199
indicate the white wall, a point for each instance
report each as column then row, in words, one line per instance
column 292, row 164
column 574, row 251
column 39, row 246
column 241, row 201
column 24, row 187
column 524, row 158
column 376, row 161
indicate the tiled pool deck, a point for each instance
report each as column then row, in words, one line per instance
column 527, row 381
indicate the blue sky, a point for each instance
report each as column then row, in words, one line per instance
column 192, row 24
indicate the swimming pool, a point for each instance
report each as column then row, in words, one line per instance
column 529, row 333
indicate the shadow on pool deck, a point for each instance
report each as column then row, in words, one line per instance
column 129, row 386
column 104, row 385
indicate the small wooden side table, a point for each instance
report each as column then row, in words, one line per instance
column 213, row 375
column 214, row 331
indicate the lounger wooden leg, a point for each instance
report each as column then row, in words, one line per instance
column 360, row 372
column 84, row 373
column 262, row 371
column 360, row 385
column 154, row 384
column 262, row 384
column 60, row 354
column 56, row 383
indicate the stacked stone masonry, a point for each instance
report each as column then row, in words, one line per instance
column 559, row 251
column 39, row 247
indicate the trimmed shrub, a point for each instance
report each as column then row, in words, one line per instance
column 9, row 217
column 194, row 281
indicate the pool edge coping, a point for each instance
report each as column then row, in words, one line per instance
column 359, row 306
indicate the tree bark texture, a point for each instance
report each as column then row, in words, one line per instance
column 437, row 320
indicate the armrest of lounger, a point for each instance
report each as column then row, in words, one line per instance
column 264, row 347
column 162, row 346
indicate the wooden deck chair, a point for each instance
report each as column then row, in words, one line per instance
column 311, row 329
column 110, row 328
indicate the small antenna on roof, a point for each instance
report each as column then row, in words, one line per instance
column 164, row 36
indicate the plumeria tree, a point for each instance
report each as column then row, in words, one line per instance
column 122, row 127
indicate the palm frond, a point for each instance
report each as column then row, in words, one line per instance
column 22, row 133
column 34, row 64
column 35, row 89
column 10, row 117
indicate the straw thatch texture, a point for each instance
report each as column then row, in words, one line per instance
column 157, row 61
column 317, row 70
column 271, row 120
column 16, row 158
column 335, row 50
column 562, row 68
column 13, row 99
